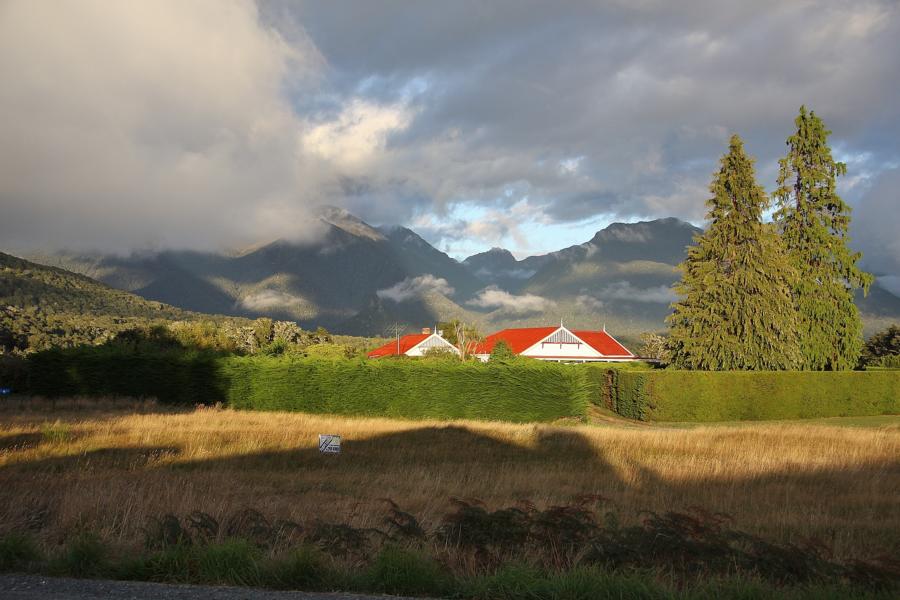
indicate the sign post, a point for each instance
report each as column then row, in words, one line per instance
column 329, row 444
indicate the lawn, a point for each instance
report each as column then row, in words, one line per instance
column 110, row 469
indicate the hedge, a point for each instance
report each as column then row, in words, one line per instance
column 411, row 389
column 173, row 377
column 706, row 396
column 518, row 391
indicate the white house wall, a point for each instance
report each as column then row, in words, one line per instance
column 581, row 351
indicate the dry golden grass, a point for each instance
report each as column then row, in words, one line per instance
column 110, row 470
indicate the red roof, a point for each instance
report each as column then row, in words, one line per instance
column 522, row 339
column 603, row 343
column 518, row 339
column 407, row 342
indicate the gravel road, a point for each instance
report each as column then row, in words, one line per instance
column 37, row 587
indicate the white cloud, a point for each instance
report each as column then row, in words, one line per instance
column 169, row 123
column 493, row 297
column 416, row 287
column 590, row 302
column 358, row 135
column 270, row 299
column 624, row 290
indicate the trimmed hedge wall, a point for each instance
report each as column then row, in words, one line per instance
column 518, row 391
column 705, row 396
column 515, row 391
column 173, row 377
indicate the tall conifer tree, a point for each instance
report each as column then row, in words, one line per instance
column 736, row 310
column 814, row 221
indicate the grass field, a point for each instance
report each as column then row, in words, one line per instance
column 108, row 469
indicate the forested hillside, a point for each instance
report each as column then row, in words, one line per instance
column 44, row 306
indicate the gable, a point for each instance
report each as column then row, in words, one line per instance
column 407, row 342
column 431, row 342
column 561, row 343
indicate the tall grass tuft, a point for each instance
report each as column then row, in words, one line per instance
column 18, row 552
column 83, row 556
column 404, row 572
column 233, row 562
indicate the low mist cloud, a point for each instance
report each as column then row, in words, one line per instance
column 269, row 300
column 624, row 290
column 415, row 287
column 494, row 297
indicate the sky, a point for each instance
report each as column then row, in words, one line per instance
column 211, row 124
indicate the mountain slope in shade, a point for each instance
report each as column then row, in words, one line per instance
column 499, row 267
column 359, row 279
column 418, row 257
column 323, row 283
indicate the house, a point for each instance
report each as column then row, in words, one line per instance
column 558, row 344
column 416, row 344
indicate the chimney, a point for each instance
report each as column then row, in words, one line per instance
column 426, row 330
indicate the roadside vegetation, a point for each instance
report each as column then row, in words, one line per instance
column 150, row 460
column 477, row 510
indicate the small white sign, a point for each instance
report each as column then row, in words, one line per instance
column 329, row 444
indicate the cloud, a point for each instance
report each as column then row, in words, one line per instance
column 494, row 297
column 874, row 228
column 487, row 273
column 415, row 287
column 614, row 110
column 357, row 135
column 203, row 123
column 167, row 124
column 589, row 302
column 624, row 290
column 270, row 299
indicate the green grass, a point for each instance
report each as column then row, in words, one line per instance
column 400, row 571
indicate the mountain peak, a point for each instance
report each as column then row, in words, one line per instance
column 347, row 221
column 494, row 255
column 644, row 232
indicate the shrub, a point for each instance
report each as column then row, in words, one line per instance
column 304, row 568
column 670, row 395
column 17, row 552
column 521, row 392
column 83, row 556
column 502, row 351
column 403, row 572
column 233, row 561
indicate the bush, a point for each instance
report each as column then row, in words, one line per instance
column 404, row 572
column 235, row 562
column 172, row 376
column 17, row 552
column 521, row 392
column 669, row 395
column 304, row 568
column 83, row 556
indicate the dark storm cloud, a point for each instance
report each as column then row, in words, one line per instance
column 419, row 112
column 640, row 97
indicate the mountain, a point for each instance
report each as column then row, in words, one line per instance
column 43, row 306
column 621, row 277
column 358, row 279
column 332, row 282
column 499, row 267
column 418, row 257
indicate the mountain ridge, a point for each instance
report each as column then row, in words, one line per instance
column 360, row 279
